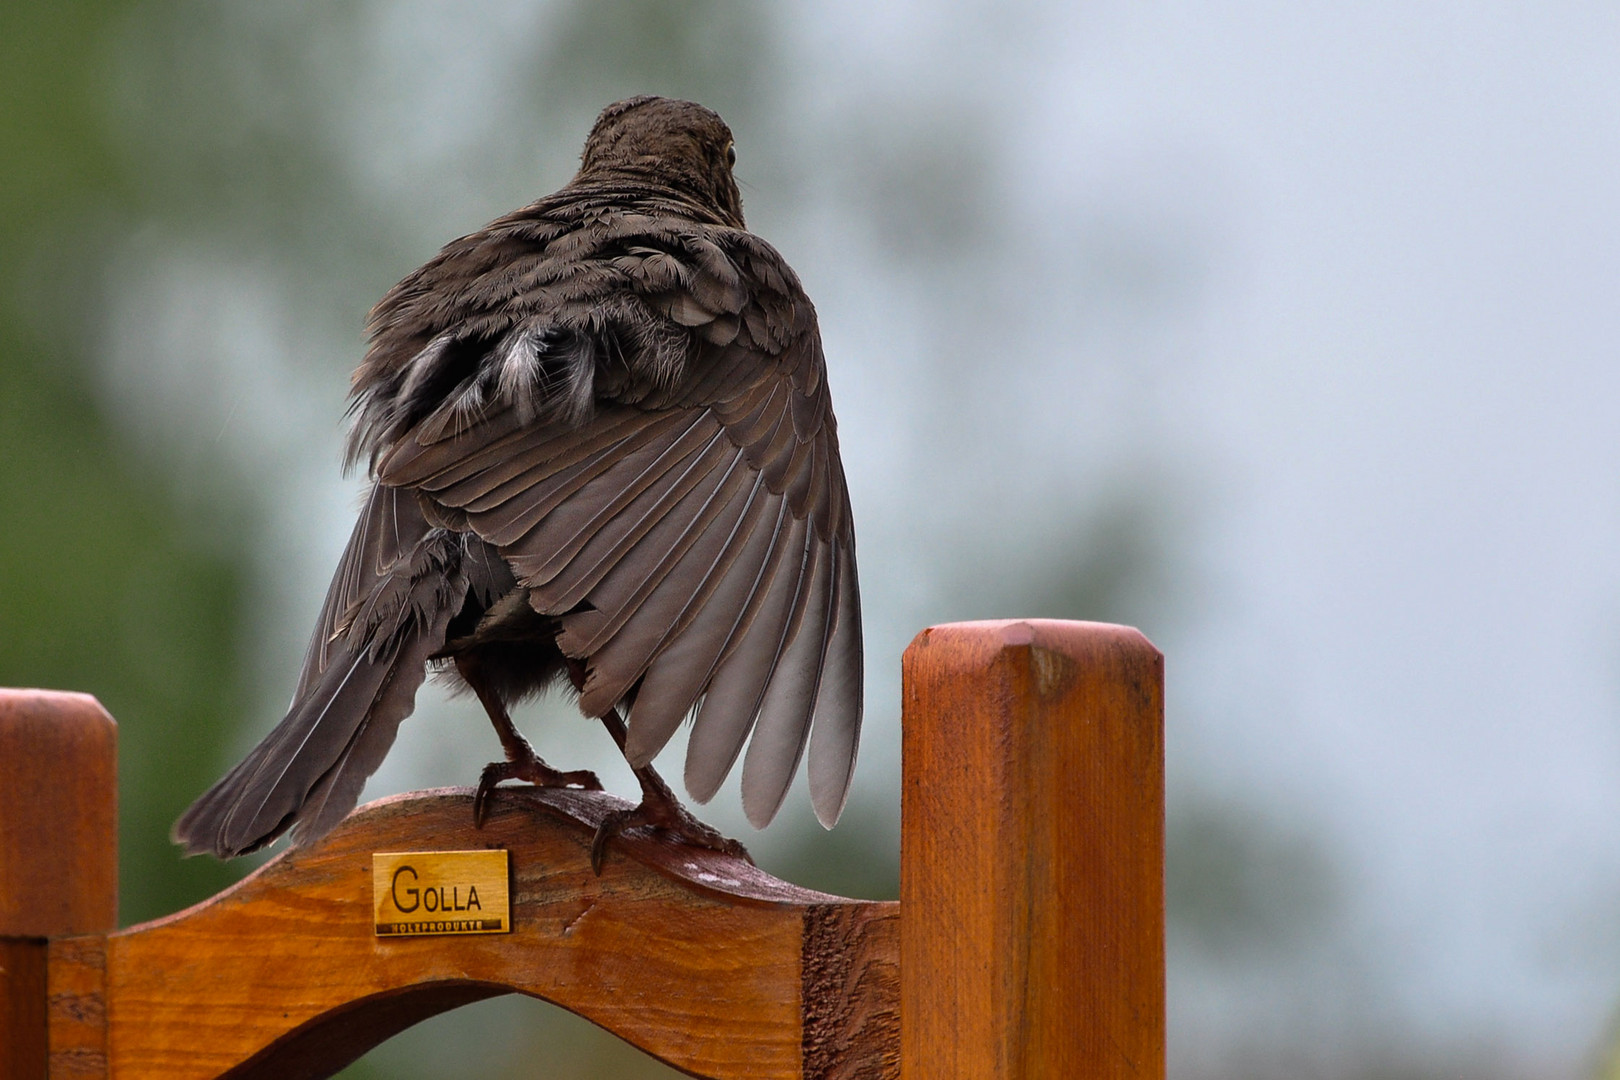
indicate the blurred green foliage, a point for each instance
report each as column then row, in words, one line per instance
column 102, row 587
column 1241, row 886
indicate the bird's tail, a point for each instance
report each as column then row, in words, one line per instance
column 309, row 771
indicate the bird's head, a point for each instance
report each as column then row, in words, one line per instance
column 676, row 143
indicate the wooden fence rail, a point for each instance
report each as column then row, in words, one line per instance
column 1028, row 941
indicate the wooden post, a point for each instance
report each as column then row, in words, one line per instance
column 58, row 851
column 1032, row 853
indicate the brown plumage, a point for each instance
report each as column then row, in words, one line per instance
column 604, row 453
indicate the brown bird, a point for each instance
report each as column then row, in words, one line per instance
column 604, row 458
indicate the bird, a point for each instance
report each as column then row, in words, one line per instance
column 602, row 459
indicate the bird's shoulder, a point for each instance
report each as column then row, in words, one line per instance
column 591, row 298
column 614, row 262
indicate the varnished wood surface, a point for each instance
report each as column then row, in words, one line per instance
column 58, row 814
column 850, row 973
column 58, row 851
column 1032, row 853
column 22, row 1008
column 77, row 1008
column 693, row 956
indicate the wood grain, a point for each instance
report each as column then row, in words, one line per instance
column 58, row 851
column 850, row 974
column 690, row 955
column 1032, row 853
column 77, row 1008
column 58, row 814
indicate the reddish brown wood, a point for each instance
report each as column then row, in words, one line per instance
column 850, row 978
column 58, row 814
column 22, row 1008
column 58, row 851
column 1032, row 853
column 692, row 956
column 77, row 1008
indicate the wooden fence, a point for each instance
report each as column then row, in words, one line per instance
column 1028, row 941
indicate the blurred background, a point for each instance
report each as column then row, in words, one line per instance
column 1286, row 332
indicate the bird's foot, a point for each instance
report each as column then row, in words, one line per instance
column 670, row 818
column 531, row 768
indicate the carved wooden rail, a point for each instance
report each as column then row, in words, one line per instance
column 1028, row 941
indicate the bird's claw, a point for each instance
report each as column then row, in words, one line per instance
column 535, row 772
column 672, row 820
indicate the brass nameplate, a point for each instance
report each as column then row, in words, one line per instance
column 440, row 892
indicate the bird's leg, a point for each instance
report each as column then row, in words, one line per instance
column 521, row 763
column 659, row 807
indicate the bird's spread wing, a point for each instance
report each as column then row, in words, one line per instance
column 691, row 530
column 685, row 574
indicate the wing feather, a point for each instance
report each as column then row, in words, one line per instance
column 784, row 715
column 387, row 531
column 691, row 647
column 596, row 515
column 835, row 730
column 634, row 540
column 732, row 699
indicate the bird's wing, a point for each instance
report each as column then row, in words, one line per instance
column 696, row 544
column 386, row 613
column 387, row 532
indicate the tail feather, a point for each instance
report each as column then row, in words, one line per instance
column 309, row 771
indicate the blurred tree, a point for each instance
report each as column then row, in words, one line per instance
column 1239, row 887
column 102, row 588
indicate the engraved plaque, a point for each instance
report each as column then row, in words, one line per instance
column 440, row 892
